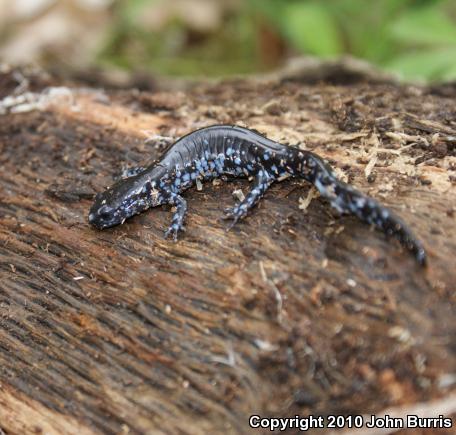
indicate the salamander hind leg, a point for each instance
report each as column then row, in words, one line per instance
column 262, row 182
column 177, row 223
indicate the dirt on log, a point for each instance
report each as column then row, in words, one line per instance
column 295, row 311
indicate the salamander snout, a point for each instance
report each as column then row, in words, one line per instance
column 102, row 217
column 117, row 203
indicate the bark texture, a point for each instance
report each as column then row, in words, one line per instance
column 291, row 312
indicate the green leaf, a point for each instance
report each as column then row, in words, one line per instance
column 310, row 27
column 449, row 74
column 426, row 25
column 271, row 9
column 131, row 10
column 429, row 64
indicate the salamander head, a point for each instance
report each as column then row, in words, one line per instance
column 121, row 201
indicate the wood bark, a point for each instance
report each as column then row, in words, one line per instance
column 292, row 312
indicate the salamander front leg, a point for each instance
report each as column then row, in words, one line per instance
column 262, row 182
column 177, row 223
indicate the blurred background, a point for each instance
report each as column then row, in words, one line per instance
column 415, row 39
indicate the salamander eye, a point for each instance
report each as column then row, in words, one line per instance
column 104, row 212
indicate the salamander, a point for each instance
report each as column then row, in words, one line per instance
column 220, row 150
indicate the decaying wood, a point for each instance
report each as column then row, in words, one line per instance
column 289, row 313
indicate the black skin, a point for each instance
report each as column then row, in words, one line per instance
column 230, row 150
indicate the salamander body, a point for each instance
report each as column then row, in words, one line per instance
column 219, row 150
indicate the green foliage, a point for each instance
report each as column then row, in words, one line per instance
column 169, row 50
column 432, row 64
column 427, row 26
column 309, row 26
column 413, row 38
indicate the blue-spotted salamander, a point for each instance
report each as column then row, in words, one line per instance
column 231, row 150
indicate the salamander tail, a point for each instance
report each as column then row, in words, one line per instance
column 346, row 199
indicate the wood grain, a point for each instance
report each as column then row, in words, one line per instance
column 289, row 313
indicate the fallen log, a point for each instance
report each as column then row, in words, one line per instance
column 295, row 311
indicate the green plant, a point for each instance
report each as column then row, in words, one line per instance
column 414, row 38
